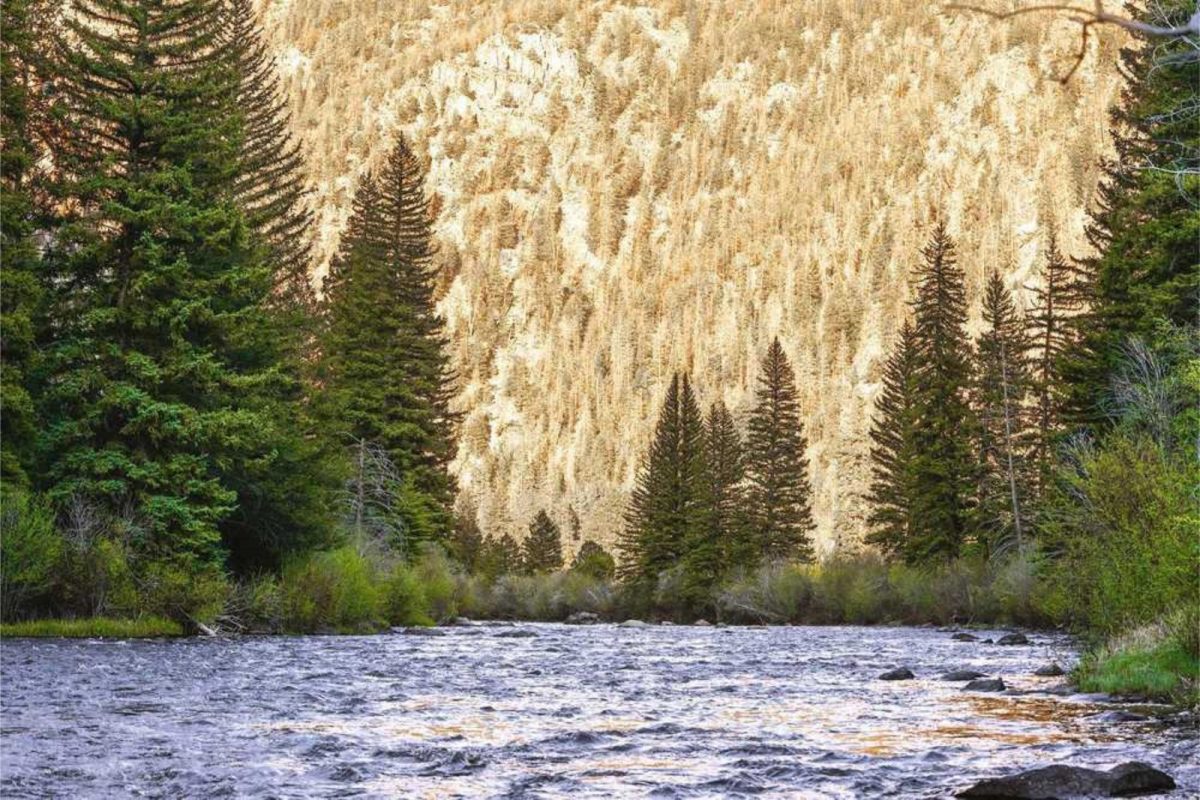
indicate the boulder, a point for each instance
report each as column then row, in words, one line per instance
column 965, row 637
column 1059, row 782
column 702, row 623
column 1049, row 671
column 462, row 621
column 583, row 618
column 1013, row 638
column 1119, row 716
column 898, row 674
column 985, row 685
column 666, row 622
column 963, row 675
column 634, row 623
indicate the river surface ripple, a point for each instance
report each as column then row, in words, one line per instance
column 548, row 711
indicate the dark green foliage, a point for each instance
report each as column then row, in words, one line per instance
column 30, row 549
column 1053, row 329
column 594, row 561
column 944, row 472
column 270, row 186
column 166, row 387
column 1000, row 394
column 669, row 504
column 1145, row 225
column 498, row 557
column 894, row 448
column 466, row 543
column 542, row 549
column 22, row 37
column 780, row 497
column 384, row 366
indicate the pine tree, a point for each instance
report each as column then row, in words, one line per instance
column 894, row 447
column 467, row 542
column 1053, row 330
column 270, row 186
column 780, row 497
column 944, row 472
column 726, row 461
column 384, row 365
column 1000, row 396
column 1145, row 224
column 499, row 557
column 594, row 561
column 543, row 546
column 21, row 38
column 668, row 506
column 163, row 381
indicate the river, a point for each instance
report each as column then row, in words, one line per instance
column 538, row 710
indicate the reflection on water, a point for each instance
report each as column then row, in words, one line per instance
column 571, row 712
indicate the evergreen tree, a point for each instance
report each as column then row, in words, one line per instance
column 731, row 533
column 780, row 497
column 1145, row 224
column 467, row 542
column 894, row 447
column 270, row 186
column 594, row 561
column 1053, row 330
column 668, row 506
column 1000, row 396
column 944, row 469
column 163, row 380
column 499, row 557
column 543, row 545
column 20, row 290
column 384, row 366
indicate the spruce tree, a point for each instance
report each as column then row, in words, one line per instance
column 594, row 561
column 543, row 546
column 944, row 471
column 1000, row 396
column 384, row 366
column 270, row 186
column 668, row 506
column 1053, row 330
column 164, row 388
column 726, row 462
column 894, row 448
column 21, row 39
column 780, row 497
column 1145, row 224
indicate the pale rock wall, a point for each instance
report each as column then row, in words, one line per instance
column 625, row 190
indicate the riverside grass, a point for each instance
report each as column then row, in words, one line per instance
column 1160, row 661
column 93, row 628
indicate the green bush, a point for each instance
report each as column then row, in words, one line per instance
column 30, row 548
column 333, row 590
column 404, row 598
column 94, row 578
column 437, row 576
column 594, row 561
column 256, row 604
column 186, row 594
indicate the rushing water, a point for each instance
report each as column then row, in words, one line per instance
column 547, row 711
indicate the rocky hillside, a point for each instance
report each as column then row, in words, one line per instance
column 625, row 190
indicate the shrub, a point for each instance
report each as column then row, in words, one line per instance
column 404, row 598
column 30, row 547
column 330, row 590
column 594, row 561
column 438, row 578
column 189, row 595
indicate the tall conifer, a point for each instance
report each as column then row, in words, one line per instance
column 668, row 506
column 726, row 462
column 780, row 496
column 543, row 546
column 384, row 365
column 1000, row 396
column 164, row 387
column 944, row 476
column 894, row 447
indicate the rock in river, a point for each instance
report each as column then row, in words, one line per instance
column 1013, row 638
column 634, row 623
column 898, row 674
column 517, row 634
column 985, row 685
column 963, row 675
column 1049, row 671
column 583, row 618
column 1059, row 782
column 965, row 637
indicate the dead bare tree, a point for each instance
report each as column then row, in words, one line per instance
column 371, row 500
column 1087, row 19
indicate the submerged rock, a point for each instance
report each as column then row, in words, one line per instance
column 1049, row 671
column 985, row 685
column 965, row 637
column 1013, row 638
column 1059, row 782
column 517, row 634
column 963, row 675
column 1120, row 716
column 419, row 631
column 898, row 674
column 702, row 623
column 583, row 618
column 634, row 623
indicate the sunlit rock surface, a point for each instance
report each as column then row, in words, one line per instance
column 624, row 190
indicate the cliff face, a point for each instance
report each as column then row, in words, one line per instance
column 626, row 190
